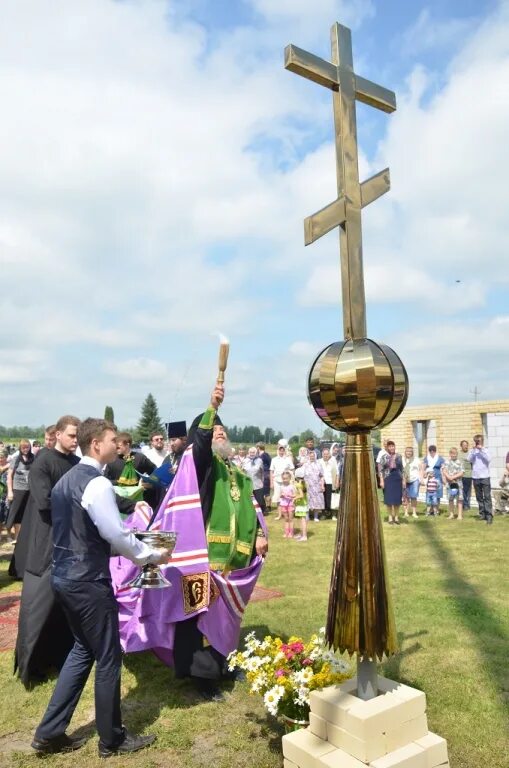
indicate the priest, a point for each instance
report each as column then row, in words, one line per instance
column 221, row 542
column 44, row 639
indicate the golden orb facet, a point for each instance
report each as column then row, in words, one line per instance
column 357, row 385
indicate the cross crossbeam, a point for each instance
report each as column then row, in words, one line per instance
column 345, row 212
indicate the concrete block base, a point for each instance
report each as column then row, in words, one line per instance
column 389, row 731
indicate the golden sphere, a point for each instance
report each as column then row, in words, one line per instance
column 357, row 385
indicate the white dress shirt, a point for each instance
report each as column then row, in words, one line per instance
column 330, row 470
column 99, row 501
column 156, row 455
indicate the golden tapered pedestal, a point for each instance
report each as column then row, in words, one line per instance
column 360, row 616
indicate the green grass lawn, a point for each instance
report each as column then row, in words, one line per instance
column 450, row 591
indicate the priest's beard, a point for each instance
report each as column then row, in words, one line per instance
column 223, row 449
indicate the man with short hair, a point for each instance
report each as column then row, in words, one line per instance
column 466, row 479
column 157, row 451
column 480, row 459
column 141, row 463
column 50, row 436
column 310, row 445
column 43, row 639
column 266, row 460
column 86, row 528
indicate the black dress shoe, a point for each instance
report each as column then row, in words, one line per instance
column 208, row 689
column 131, row 743
column 489, row 519
column 62, row 743
column 235, row 676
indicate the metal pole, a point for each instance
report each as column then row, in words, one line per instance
column 367, row 685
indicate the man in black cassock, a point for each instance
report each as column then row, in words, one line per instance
column 44, row 639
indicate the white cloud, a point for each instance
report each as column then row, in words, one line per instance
column 137, row 369
column 428, row 33
column 390, row 283
column 22, row 367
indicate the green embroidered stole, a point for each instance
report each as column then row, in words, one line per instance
column 232, row 525
column 128, row 476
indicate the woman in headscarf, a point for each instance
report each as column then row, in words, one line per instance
column 434, row 461
column 313, row 476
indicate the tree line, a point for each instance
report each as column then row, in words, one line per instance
column 150, row 422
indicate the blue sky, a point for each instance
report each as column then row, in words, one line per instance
column 157, row 162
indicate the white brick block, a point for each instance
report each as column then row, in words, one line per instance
column 365, row 750
column 406, row 733
column 415, row 699
column 331, row 704
column 339, row 759
column 436, row 749
column 288, row 763
column 411, row 756
column 304, row 748
column 318, row 726
column 375, row 716
column 349, row 686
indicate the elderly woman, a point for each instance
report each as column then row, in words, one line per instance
column 435, row 462
column 313, row 477
column 391, row 481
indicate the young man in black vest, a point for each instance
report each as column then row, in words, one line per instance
column 86, row 529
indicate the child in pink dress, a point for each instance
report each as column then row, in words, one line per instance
column 287, row 503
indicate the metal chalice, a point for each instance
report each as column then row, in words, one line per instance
column 150, row 576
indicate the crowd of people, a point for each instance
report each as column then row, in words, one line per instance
column 403, row 476
column 302, row 486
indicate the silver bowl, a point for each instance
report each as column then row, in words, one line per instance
column 150, row 576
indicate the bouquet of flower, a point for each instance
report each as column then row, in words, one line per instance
column 285, row 673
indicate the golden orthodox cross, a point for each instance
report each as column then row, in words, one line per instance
column 345, row 211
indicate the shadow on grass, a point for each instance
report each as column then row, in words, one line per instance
column 471, row 609
column 392, row 667
column 271, row 730
column 158, row 688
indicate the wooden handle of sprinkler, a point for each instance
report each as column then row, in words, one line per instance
column 224, row 349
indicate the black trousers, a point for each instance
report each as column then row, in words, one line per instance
column 259, row 495
column 192, row 657
column 92, row 613
column 467, row 491
column 327, row 498
column 482, row 488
